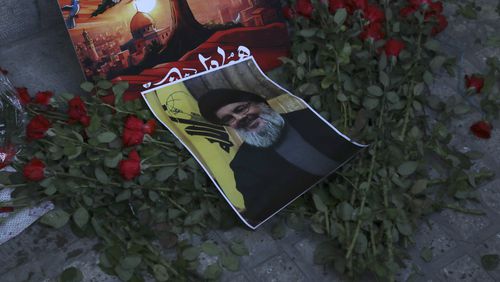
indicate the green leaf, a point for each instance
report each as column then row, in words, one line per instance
column 318, row 202
column 87, row 86
column 212, row 272
column 384, row 79
column 432, row 45
column 123, row 196
column 81, row 217
column 418, row 89
column 230, row 262
column 370, row 103
column 160, row 273
column 112, row 160
column 56, row 218
column 426, row 254
column 361, row 244
column 71, row 274
column 404, row 228
column 490, row 262
column 308, row 32
column 239, row 249
column 191, row 253
column 437, row 62
column 101, row 176
column 164, row 173
column 407, row 168
column 375, row 91
column 345, row 211
column 106, row 137
column 130, row 262
column 210, row 248
column 419, row 186
column 104, row 84
column 124, row 274
column 340, row 16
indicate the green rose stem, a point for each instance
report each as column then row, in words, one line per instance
column 62, row 174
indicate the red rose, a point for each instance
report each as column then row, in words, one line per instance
column 133, row 131
column 130, row 168
column 6, row 209
column 85, row 121
column 7, row 154
column 304, row 8
column 482, row 129
column 436, row 7
column 108, row 99
column 37, row 127
column 442, row 23
column 407, row 11
column 359, row 4
column 374, row 14
column 373, row 32
column 76, row 108
column 288, row 12
column 43, row 98
column 3, row 71
column 22, row 94
column 149, row 127
column 134, row 123
column 34, row 170
column 334, row 5
column 474, row 82
column 393, row 47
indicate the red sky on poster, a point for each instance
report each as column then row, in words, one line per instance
column 142, row 40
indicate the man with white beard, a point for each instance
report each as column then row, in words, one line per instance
column 282, row 155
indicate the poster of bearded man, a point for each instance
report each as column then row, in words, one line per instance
column 260, row 145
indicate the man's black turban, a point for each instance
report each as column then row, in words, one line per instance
column 215, row 99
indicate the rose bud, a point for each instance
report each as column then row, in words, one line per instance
column 43, row 98
column 474, row 83
column 482, row 129
column 288, row 12
column 393, row 47
column 374, row 14
column 23, row 95
column 149, row 127
column 372, row 32
column 130, row 168
column 34, row 170
column 37, row 127
column 304, row 8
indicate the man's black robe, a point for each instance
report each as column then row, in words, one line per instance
column 268, row 182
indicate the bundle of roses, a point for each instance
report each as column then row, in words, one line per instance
column 111, row 172
column 367, row 67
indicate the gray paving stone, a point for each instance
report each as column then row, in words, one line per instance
column 45, row 61
column 19, row 20
column 260, row 245
column 466, row 225
column 465, row 269
column 50, row 15
column 305, row 260
column 431, row 235
column 489, row 247
column 490, row 195
column 279, row 268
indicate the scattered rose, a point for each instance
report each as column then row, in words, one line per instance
column 43, row 98
column 474, row 83
column 149, row 127
column 130, row 168
column 77, row 111
column 407, row 11
column 393, row 47
column 288, row 12
column 37, row 127
column 436, row 7
column 374, row 14
column 34, row 170
column 373, row 32
column 359, row 4
column 482, row 129
column 442, row 23
column 6, row 209
column 304, row 8
column 23, row 95
column 419, row 3
column 133, row 133
column 108, row 99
